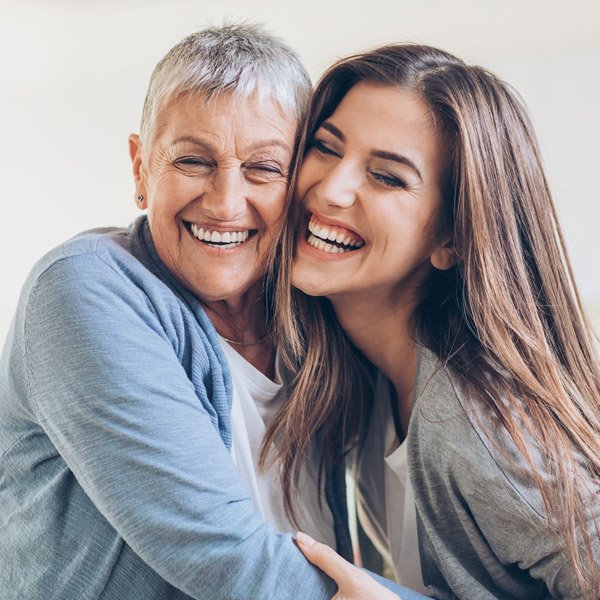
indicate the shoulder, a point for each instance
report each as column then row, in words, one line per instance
column 79, row 258
column 110, row 281
column 457, row 430
column 438, row 408
column 97, row 269
column 90, row 251
column 469, row 478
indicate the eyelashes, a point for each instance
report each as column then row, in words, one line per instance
column 386, row 179
column 323, row 148
column 389, row 180
column 192, row 163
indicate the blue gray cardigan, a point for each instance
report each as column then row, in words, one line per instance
column 116, row 480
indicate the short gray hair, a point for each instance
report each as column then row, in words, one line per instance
column 239, row 59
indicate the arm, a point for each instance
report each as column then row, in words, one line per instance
column 110, row 392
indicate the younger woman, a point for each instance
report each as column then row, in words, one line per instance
column 427, row 233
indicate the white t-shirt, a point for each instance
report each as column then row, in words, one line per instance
column 255, row 403
column 384, row 496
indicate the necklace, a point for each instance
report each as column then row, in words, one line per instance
column 246, row 343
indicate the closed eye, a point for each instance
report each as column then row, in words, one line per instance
column 266, row 166
column 388, row 180
column 264, row 172
column 187, row 163
column 323, row 148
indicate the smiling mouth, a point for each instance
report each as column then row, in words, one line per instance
column 219, row 239
column 332, row 238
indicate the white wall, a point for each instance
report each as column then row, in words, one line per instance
column 74, row 73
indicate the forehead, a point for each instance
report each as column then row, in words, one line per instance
column 394, row 103
column 224, row 118
column 391, row 119
column 385, row 108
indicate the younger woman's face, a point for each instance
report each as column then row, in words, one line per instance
column 370, row 189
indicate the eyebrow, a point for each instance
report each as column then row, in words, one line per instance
column 261, row 144
column 403, row 160
column 334, row 130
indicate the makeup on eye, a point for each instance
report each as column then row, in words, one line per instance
column 387, row 179
column 322, row 147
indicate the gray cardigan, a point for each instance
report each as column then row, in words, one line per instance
column 482, row 530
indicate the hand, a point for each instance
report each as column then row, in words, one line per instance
column 353, row 583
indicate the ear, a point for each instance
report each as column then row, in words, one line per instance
column 139, row 172
column 443, row 257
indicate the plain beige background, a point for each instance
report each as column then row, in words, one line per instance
column 74, row 73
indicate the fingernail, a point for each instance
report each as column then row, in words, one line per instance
column 304, row 539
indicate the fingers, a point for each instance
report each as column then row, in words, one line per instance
column 353, row 584
column 326, row 559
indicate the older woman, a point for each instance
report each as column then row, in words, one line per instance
column 140, row 361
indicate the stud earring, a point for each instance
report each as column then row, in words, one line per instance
column 140, row 198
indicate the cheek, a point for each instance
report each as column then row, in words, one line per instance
column 271, row 205
column 308, row 175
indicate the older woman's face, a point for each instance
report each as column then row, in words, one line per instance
column 215, row 180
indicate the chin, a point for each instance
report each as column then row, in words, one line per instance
column 309, row 282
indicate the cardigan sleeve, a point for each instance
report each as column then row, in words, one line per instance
column 107, row 385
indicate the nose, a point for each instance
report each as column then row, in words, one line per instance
column 226, row 200
column 339, row 186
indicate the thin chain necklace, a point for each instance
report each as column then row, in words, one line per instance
column 246, row 343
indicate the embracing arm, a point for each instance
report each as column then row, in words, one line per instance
column 108, row 387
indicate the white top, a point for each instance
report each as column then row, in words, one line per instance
column 385, row 500
column 255, row 403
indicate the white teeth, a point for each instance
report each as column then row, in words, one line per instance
column 332, row 235
column 313, row 227
column 324, row 246
column 232, row 238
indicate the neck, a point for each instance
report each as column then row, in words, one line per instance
column 380, row 330
column 243, row 319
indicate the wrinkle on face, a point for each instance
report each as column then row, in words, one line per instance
column 223, row 166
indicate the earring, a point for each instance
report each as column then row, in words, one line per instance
column 140, row 198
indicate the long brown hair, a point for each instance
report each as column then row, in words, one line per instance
column 507, row 318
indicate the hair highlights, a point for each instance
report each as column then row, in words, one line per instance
column 506, row 318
